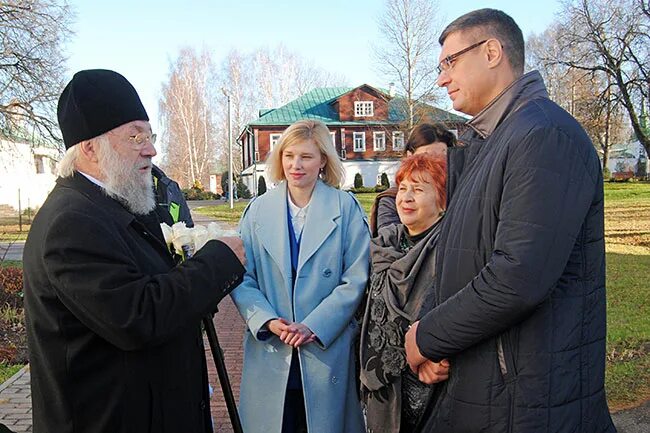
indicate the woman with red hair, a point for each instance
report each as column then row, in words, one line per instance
column 402, row 269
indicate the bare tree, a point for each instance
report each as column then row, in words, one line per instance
column 32, row 35
column 265, row 78
column 611, row 37
column 187, row 112
column 587, row 95
column 407, row 52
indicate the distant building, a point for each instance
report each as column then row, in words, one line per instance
column 367, row 125
column 27, row 171
column 628, row 160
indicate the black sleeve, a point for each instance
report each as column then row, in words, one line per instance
column 548, row 187
column 98, row 280
column 386, row 212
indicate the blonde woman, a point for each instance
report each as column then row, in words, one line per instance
column 307, row 248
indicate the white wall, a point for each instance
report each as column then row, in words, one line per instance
column 18, row 172
column 370, row 171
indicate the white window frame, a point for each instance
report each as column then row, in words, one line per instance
column 273, row 140
column 364, row 108
column 398, row 135
column 333, row 136
column 362, row 136
column 377, row 137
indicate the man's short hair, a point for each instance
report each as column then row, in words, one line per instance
column 496, row 24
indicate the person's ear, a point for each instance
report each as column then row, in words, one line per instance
column 89, row 148
column 494, row 53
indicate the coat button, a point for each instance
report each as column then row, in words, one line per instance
column 335, row 380
column 202, row 405
column 327, row 272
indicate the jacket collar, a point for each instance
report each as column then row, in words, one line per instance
column 94, row 193
column 319, row 224
column 525, row 88
column 113, row 208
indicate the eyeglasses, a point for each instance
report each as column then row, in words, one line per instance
column 447, row 63
column 138, row 141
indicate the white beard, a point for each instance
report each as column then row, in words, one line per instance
column 124, row 181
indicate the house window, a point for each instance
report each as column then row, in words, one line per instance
column 38, row 162
column 273, row 140
column 398, row 140
column 333, row 135
column 257, row 156
column 363, row 109
column 379, row 141
column 343, row 153
column 359, row 139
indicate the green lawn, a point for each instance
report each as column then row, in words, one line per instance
column 223, row 212
column 8, row 370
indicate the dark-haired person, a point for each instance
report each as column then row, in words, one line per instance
column 520, row 265
column 434, row 139
column 113, row 323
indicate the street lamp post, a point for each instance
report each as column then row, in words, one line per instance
column 230, row 176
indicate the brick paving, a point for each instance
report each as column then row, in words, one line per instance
column 16, row 402
column 230, row 330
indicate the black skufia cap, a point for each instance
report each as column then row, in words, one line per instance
column 94, row 102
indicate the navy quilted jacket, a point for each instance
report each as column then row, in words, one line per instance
column 521, row 278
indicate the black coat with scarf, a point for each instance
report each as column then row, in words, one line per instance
column 113, row 324
column 520, row 277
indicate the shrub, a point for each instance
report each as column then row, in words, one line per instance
column 368, row 189
column 358, row 181
column 11, row 287
column 384, row 181
column 197, row 194
column 242, row 189
column 261, row 186
column 607, row 175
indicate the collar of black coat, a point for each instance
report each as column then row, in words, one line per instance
column 97, row 195
column 525, row 88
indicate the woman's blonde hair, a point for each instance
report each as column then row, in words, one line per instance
column 316, row 131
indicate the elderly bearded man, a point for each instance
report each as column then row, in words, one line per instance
column 113, row 323
column 520, row 281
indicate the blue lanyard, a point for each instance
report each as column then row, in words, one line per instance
column 294, row 243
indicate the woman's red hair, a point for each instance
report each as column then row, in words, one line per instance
column 414, row 166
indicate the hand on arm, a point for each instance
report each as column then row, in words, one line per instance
column 430, row 372
column 413, row 355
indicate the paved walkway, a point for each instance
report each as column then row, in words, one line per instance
column 11, row 250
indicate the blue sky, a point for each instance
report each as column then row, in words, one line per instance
column 138, row 38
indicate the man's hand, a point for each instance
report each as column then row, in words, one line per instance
column 430, row 372
column 236, row 245
column 413, row 355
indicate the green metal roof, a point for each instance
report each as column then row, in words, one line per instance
column 316, row 104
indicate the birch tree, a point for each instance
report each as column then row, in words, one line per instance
column 407, row 52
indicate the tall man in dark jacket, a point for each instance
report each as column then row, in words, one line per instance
column 520, row 289
column 113, row 323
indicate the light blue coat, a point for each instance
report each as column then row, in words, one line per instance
column 331, row 276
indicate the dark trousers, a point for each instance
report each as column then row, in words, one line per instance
column 294, row 419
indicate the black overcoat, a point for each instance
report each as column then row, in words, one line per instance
column 113, row 324
column 521, row 277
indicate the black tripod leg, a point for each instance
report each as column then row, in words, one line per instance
column 217, row 356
